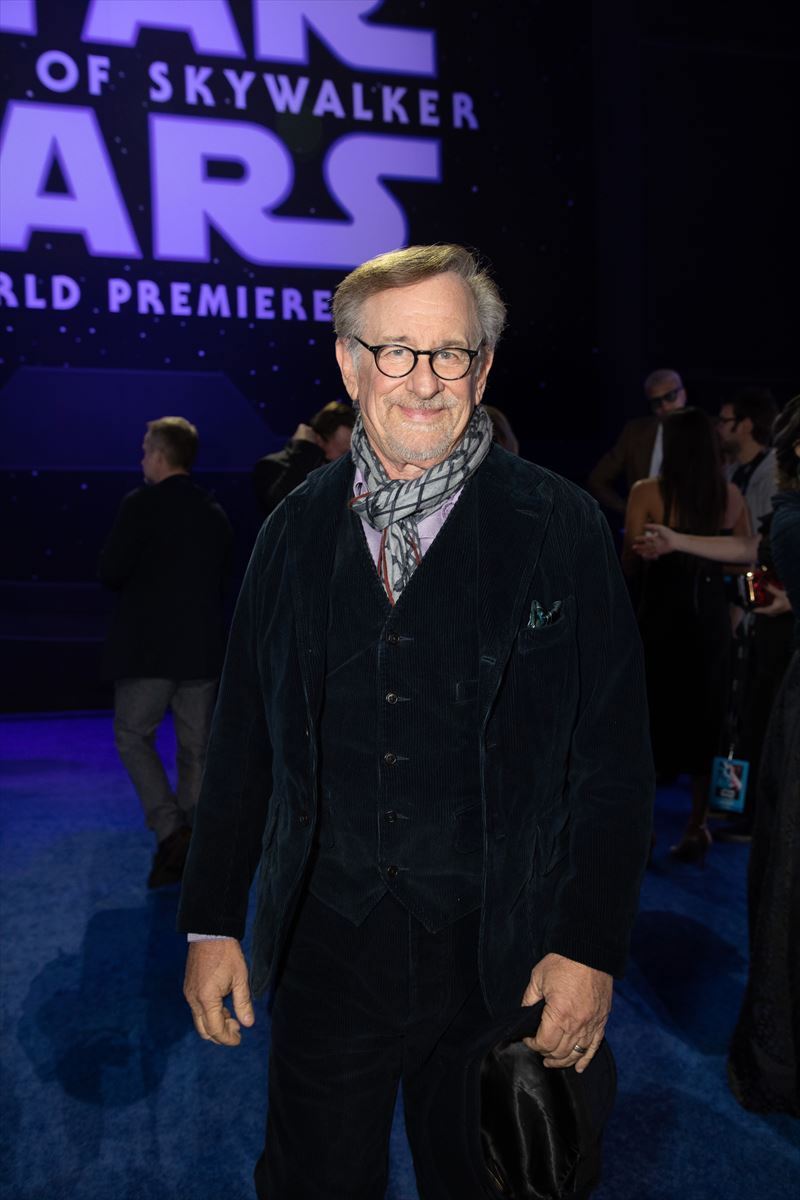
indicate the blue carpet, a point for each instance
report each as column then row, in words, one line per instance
column 108, row 1094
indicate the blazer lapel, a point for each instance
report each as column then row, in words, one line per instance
column 312, row 521
column 511, row 525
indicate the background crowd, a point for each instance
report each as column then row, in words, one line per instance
column 707, row 513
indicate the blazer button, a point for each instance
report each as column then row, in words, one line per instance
column 391, row 816
column 304, row 819
column 390, row 758
column 391, row 697
column 393, row 872
column 393, row 638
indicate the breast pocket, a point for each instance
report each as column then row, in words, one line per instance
column 531, row 640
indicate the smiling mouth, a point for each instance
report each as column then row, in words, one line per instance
column 420, row 414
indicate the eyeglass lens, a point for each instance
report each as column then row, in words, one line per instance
column 450, row 362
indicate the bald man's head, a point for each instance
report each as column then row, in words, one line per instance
column 665, row 391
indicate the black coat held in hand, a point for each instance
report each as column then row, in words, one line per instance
column 561, row 725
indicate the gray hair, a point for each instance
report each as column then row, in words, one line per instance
column 660, row 377
column 177, row 439
column 401, row 268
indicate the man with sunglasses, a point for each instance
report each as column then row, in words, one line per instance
column 637, row 452
column 431, row 744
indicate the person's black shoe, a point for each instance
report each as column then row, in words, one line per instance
column 169, row 859
column 693, row 846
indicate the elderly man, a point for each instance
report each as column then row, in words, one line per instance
column 430, row 743
column 638, row 451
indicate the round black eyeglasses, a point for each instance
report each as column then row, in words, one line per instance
column 395, row 361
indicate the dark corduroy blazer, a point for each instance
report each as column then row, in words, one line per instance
column 561, row 721
column 167, row 557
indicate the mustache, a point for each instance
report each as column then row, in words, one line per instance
column 440, row 400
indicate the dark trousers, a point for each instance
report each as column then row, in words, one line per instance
column 139, row 708
column 357, row 1011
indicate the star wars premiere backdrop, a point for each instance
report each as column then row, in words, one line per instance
column 184, row 182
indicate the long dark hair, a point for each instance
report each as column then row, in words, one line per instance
column 692, row 484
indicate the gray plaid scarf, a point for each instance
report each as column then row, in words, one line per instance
column 396, row 506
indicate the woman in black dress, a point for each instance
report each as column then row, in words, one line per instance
column 764, row 1059
column 683, row 610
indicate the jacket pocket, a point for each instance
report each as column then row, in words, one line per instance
column 530, row 641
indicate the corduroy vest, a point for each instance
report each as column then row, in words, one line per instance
column 400, row 804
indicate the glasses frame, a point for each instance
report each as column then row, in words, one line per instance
column 375, row 351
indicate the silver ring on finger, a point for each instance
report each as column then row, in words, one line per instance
column 578, row 1049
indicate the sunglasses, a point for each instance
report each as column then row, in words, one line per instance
column 665, row 397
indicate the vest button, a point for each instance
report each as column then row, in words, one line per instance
column 391, row 816
column 393, row 638
column 391, row 697
column 304, row 819
column 393, row 872
column 390, row 758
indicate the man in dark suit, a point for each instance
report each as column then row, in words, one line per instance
column 637, row 452
column 431, row 744
column 166, row 557
column 324, row 439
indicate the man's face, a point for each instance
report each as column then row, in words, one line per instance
column 337, row 444
column 414, row 422
column 152, row 461
column 667, row 398
column 728, row 428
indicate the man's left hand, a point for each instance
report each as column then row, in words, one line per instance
column 577, row 1005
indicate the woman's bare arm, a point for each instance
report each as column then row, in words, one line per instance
column 637, row 513
column 658, row 540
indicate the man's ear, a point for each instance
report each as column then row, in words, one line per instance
column 347, row 366
column 486, row 360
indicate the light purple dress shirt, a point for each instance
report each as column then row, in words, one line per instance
column 428, row 527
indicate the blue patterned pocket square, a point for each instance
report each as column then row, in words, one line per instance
column 541, row 617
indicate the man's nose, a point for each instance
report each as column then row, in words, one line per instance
column 423, row 376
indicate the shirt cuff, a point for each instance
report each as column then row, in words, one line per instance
column 209, row 937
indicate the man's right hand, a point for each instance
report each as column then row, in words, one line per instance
column 214, row 970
